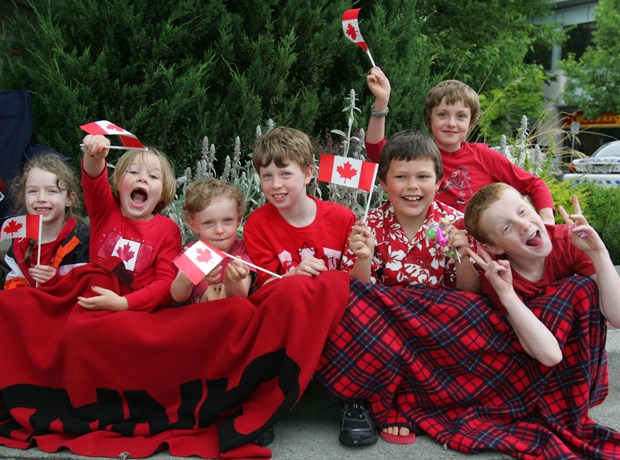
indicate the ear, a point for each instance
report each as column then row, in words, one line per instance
column 308, row 174
column 492, row 249
column 70, row 201
column 383, row 185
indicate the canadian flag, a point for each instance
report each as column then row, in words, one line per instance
column 349, row 172
column 107, row 127
column 351, row 28
column 198, row 261
column 28, row 226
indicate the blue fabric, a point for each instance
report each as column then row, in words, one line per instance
column 15, row 133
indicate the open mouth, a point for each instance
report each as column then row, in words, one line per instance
column 535, row 240
column 414, row 199
column 139, row 196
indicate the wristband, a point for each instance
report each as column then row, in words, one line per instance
column 376, row 113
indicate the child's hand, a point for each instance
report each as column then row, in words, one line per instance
column 456, row 239
column 582, row 235
column 378, row 84
column 362, row 241
column 310, row 266
column 106, row 300
column 214, row 276
column 236, row 271
column 42, row 273
column 96, row 146
column 498, row 272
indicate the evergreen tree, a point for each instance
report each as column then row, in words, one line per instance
column 175, row 71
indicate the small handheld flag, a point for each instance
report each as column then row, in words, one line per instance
column 346, row 171
column 129, row 141
column 198, row 261
column 349, row 172
column 351, row 29
column 28, row 226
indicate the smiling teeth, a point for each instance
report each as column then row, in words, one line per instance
column 412, row 198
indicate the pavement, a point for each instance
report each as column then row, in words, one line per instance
column 310, row 431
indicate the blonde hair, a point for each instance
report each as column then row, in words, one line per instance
column 169, row 186
column 480, row 202
column 202, row 192
column 66, row 180
column 451, row 92
column 282, row 146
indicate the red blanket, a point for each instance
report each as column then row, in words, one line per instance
column 444, row 362
column 198, row 380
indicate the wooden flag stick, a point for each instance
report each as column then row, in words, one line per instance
column 372, row 61
column 121, row 147
column 372, row 187
column 252, row 265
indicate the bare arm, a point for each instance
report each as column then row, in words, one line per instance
column 546, row 214
column 535, row 338
column 588, row 240
column 379, row 85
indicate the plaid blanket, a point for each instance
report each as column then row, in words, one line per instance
column 445, row 363
column 202, row 380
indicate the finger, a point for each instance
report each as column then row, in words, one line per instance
column 576, row 205
column 565, row 215
column 477, row 258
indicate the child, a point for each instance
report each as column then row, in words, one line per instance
column 533, row 256
column 451, row 110
column 213, row 209
column 48, row 187
column 125, row 222
column 293, row 234
column 296, row 234
column 393, row 246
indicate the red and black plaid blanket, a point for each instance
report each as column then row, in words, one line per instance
column 197, row 380
column 443, row 362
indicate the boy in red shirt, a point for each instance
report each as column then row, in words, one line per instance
column 296, row 234
column 451, row 110
column 533, row 256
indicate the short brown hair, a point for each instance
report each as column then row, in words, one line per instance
column 407, row 146
column 480, row 202
column 202, row 192
column 452, row 91
column 282, row 146
column 169, row 183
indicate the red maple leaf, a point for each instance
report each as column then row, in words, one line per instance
column 346, row 171
column 13, row 227
column 351, row 32
column 125, row 253
column 113, row 127
column 203, row 255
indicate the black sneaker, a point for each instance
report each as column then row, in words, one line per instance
column 356, row 427
column 265, row 438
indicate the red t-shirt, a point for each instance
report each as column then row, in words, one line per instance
column 565, row 260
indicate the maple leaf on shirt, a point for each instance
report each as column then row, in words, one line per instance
column 351, row 32
column 203, row 255
column 13, row 227
column 346, row 171
column 125, row 253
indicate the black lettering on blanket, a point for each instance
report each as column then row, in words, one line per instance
column 53, row 405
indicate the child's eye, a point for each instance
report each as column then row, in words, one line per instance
column 506, row 229
column 266, row 177
column 228, row 221
column 153, row 176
